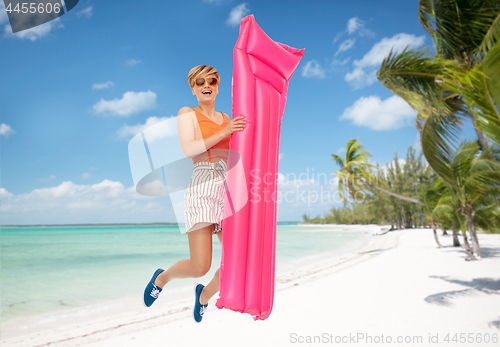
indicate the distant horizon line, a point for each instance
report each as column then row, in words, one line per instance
column 106, row 224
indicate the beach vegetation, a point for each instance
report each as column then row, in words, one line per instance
column 456, row 184
column 453, row 83
column 390, row 194
column 470, row 200
column 355, row 174
column 474, row 185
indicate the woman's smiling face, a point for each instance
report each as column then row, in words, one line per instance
column 205, row 92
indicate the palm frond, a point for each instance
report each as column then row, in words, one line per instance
column 338, row 159
column 488, row 218
column 480, row 88
column 492, row 36
column 460, row 27
column 426, row 15
column 436, row 139
column 413, row 75
column 355, row 152
column 492, row 73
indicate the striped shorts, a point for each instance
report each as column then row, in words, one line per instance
column 204, row 197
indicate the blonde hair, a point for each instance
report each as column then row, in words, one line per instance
column 201, row 70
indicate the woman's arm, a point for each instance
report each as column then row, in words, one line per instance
column 191, row 147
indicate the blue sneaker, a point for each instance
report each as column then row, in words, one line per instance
column 199, row 309
column 152, row 292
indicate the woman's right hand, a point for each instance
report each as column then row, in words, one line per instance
column 237, row 124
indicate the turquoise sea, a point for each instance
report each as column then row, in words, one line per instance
column 53, row 269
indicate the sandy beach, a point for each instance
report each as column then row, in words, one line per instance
column 397, row 288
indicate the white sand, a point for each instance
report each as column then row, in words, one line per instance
column 394, row 285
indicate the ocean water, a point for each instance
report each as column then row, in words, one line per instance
column 55, row 269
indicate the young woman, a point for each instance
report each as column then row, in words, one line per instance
column 204, row 136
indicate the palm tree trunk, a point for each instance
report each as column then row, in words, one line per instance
column 422, row 217
column 436, row 235
column 387, row 212
column 456, row 242
column 467, row 212
column 403, row 216
column 466, row 243
column 444, row 232
column 479, row 133
column 415, row 201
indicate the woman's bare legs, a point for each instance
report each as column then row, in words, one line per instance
column 213, row 287
column 200, row 252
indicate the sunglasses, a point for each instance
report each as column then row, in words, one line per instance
column 211, row 81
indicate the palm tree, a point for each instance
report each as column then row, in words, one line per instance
column 471, row 177
column 355, row 176
column 460, row 80
column 432, row 209
column 445, row 210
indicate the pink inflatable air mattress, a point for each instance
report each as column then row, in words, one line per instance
column 262, row 70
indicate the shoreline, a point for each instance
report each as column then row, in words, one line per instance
column 173, row 297
column 102, row 224
column 127, row 304
column 399, row 282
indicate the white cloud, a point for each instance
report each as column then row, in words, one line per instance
column 346, row 45
column 104, row 85
column 365, row 70
column 49, row 178
column 236, row 14
column 153, row 188
column 111, row 202
column 339, row 35
column 353, row 24
column 6, row 130
column 4, row 194
column 357, row 25
column 130, row 103
column 216, row 2
column 3, row 14
column 132, row 62
column 392, row 113
column 35, row 32
column 129, row 131
column 360, row 78
column 281, row 156
column 104, row 202
column 86, row 12
column 336, row 63
column 313, row 69
column 340, row 150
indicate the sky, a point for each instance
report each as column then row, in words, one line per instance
column 74, row 91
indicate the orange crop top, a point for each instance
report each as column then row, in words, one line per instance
column 208, row 127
